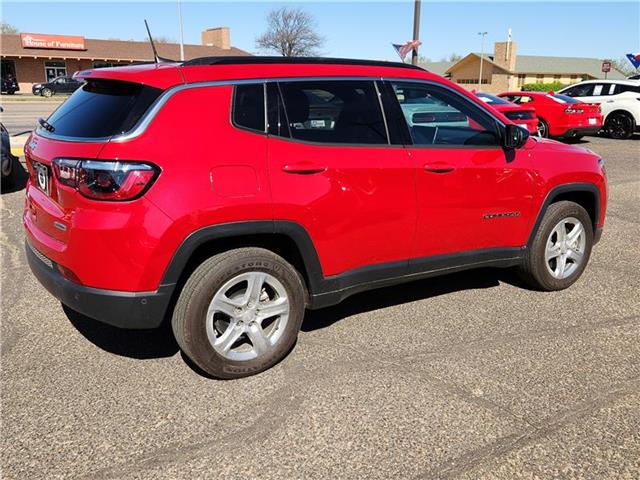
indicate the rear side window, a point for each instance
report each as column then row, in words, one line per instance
column 334, row 112
column 102, row 108
column 621, row 88
column 248, row 106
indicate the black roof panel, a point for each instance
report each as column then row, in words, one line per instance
column 257, row 60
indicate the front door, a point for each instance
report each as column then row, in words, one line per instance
column 334, row 171
column 472, row 194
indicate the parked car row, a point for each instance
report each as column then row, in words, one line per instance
column 612, row 106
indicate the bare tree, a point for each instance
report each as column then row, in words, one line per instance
column 453, row 57
column 623, row 65
column 291, row 33
column 7, row 28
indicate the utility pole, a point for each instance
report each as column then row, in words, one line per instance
column 482, row 35
column 416, row 31
column 181, row 33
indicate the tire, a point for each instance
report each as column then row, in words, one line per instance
column 8, row 175
column 543, row 128
column 536, row 270
column 221, row 284
column 46, row 92
column 620, row 125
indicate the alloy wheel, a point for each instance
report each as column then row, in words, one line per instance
column 619, row 126
column 542, row 129
column 565, row 248
column 247, row 316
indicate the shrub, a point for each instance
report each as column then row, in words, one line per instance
column 543, row 87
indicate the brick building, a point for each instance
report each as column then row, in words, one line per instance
column 36, row 58
column 505, row 70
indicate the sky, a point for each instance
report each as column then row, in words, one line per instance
column 360, row 29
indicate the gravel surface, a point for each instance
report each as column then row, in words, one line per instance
column 462, row 377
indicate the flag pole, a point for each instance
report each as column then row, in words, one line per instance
column 482, row 34
column 416, row 31
column 181, row 32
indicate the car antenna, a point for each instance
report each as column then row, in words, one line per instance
column 156, row 58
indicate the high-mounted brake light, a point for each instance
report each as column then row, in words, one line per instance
column 105, row 180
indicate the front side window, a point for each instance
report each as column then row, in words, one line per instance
column 248, row 106
column 583, row 90
column 519, row 99
column 330, row 111
column 436, row 116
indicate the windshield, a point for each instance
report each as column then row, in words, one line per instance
column 102, row 108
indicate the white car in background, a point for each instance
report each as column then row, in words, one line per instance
column 619, row 101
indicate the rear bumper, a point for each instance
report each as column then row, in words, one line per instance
column 136, row 310
column 575, row 131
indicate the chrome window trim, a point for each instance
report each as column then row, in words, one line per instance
column 157, row 105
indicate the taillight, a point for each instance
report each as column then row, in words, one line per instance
column 105, row 180
column 573, row 110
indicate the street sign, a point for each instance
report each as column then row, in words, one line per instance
column 606, row 66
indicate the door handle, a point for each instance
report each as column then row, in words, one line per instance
column 439, row 167
column 303, row 168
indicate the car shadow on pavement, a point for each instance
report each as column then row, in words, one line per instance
column 409, row 292
column 141, row 344
column 20, row 177
column 160, row 342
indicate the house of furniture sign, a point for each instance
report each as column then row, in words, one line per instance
column 54, row 42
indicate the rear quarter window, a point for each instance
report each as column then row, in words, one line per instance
column 102, row 108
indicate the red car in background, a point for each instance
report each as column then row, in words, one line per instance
column 560, row 115
column 518, row 114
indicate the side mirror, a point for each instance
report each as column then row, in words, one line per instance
column 514, row 136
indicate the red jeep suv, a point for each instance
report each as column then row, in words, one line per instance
column 230, row 194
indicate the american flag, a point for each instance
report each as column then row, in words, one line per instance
column 406, row 48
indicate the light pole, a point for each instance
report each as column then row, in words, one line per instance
column 181, row 33
column 482, row 35
column 416, row 31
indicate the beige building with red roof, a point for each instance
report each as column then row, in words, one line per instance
column 37, row 58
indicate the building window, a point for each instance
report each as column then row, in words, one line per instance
column 556, row 78
column 104, row 64
column 8, row 69
column 53, row 70
column 472, row 81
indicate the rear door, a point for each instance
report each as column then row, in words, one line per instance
column 335, row 172
column 472, row 195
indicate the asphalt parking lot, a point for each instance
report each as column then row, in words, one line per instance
column 461, row 377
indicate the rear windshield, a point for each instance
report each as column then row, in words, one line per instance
column 492, row 99
column 102, row 108
column 558, row 97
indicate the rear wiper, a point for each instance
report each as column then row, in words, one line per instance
column 46, row 125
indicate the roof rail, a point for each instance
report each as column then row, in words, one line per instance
column 258, row 60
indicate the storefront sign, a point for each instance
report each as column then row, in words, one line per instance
column 53, row 42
